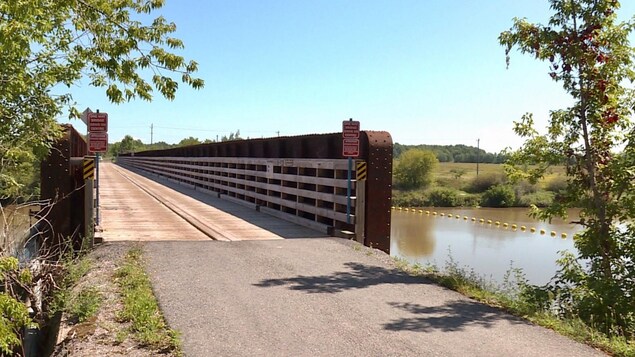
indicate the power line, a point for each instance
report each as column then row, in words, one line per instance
column 212, row 130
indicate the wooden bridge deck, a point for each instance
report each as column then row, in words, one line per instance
column 134, row 207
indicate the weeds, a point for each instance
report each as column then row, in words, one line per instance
column 84, row 304
column 79, row 305
column 140, row 306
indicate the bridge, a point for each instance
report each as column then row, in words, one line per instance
column 304, row 180
column 237, row 240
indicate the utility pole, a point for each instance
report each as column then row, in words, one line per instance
column 151, row 133
column 278, row 132
column 478, row 154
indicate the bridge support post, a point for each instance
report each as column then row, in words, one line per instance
column 360, row 214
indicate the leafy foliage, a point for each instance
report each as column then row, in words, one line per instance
column 14, row 315
column 444, row 197
column 590, row 55
column 484, row 182
column 414, row 168
column 49, row 46
column 499, row 196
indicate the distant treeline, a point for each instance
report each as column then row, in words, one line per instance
column 454, row 153
column 129, row 144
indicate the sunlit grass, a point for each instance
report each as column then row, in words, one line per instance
column 140, row 307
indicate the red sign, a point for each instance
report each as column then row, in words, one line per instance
column 350, row 148
column 350, row 138
column 350, row 129
column 97, row 142
column 98, row 122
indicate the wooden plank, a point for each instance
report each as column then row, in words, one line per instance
column 330, row 197
column 342, row 183
column 329, row 164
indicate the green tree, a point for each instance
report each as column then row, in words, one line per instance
column 130, row 144
column 232, row 136
column 589, row 54
column 414, row 168
column 189, row 141
column 47, row 47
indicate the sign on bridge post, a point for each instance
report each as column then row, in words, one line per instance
column 350, row 149
column 350, row 138
column 97, row 143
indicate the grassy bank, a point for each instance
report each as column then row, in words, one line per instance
column 457, row 185
column 519, row 298
column 109, row 308
column 140, row 307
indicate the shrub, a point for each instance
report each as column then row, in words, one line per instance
column 540, row 199
column 484, row 182
column 556, row 184
column 409, row 199
column 469, row 200
column 444, row 197
column 524, row 187
column 499, row 196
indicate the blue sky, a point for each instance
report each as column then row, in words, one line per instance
column 428, row 72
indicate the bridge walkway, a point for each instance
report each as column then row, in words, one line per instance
column 134, row 207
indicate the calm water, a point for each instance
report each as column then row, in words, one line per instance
column 488, row 249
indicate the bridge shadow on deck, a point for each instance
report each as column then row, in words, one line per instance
column 282, row 228
column 453, row 315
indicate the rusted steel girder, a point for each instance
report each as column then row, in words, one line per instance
column 375, row 149
column 60, row 184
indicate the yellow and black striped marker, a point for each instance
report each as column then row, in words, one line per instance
column 89, row 168
column 362, row 170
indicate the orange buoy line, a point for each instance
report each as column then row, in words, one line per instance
column 498, row 224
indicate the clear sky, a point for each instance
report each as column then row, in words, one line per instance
column 428, row 72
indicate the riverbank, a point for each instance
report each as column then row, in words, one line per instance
column 458, row 185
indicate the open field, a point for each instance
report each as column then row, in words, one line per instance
column 445, row 171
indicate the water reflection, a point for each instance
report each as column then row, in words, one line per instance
column 417, row 236
column 487, row 248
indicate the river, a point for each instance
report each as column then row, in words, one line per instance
column 14, row 226
column 487, row 248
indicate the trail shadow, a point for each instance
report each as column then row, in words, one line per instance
column 267, row 222
column 359, row 276
column 453, row 316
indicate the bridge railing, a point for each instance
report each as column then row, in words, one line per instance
column 312, row 192
column 302, row 179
